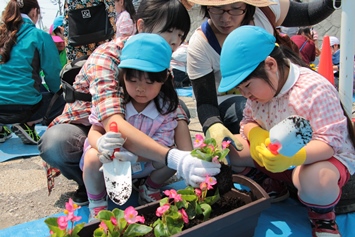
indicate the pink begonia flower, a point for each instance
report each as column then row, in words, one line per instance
column 72, row 217
column 70, row 206
column 131, row 215
column 225, row 144
column 161, row 210
column 173, row 195
column 198, row 192
column 199, row 141
column 212, row 147
column 62, row 222
column 184, row 215
column 215, row 159
column 113, row 220
column 203, row 186
column 103, row 226
column 210, row 181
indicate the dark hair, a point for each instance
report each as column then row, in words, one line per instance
column 167, row 92
column 128, row 5
column 281, row 54
column 248, row 16
column 12, row 20
column 306, row 31
column 172, row 12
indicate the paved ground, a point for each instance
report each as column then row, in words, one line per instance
column 23, row 192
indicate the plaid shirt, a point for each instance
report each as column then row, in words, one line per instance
column 307, row 94
column 98, row 77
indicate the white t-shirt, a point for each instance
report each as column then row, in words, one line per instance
column 203, row 59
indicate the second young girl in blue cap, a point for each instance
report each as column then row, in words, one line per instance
column 277, row 85
column 151, row 103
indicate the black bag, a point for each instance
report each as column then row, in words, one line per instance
column 89, row 25
column 67, row 75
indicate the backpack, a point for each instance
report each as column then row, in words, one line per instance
column 67, row 76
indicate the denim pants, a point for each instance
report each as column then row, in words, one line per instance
column 61, row 146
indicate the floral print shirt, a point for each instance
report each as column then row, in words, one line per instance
column 79, row 51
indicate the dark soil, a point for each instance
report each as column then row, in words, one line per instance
column 224, row 179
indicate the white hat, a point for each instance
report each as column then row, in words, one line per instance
column 333, row 40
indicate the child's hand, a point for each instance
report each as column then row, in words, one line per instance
column 192, row 169
column 126, row 156
column 256, row 137
column 279, row 163
column 106, row 145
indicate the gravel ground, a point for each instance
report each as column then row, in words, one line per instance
column 24, row 195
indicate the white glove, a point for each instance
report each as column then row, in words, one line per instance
column 106, row 145
column 192, row 169
column 126, row 156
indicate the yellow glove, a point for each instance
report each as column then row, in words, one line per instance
column 219, row 132
column 256, row 137
column 279, row 163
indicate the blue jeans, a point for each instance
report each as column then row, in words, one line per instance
column 61, row 146
column 231, row 111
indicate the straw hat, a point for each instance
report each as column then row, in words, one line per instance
column 256, row 3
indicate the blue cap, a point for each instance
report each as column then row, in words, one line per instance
column 146, row 52
column 58, row 21
column 243, row 50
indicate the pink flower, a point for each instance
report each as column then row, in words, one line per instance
column 225, row 144
column 70, row 206
column 62, row 222
column 140, row 219
column 215, row 159
column 199, row 141
column 184, row 215
column 203, row 186
column 161, row 210
column 72, row 217
column 198, row 192
column 113, row 220
column 173, row 195
column 210, row 181
column 131, row 215
column 103, row 226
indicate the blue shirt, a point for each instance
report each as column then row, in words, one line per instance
column 20, row 78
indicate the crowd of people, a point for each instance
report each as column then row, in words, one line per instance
column 244, row 77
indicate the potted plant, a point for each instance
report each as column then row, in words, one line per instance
column 210, row 210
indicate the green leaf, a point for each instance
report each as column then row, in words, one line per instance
column 175, row 223
column 77, row 228
column 213, row 199
column 99, row 233
column 105, row 215
column 137, row 230
column 207, row 209
column 160, row 230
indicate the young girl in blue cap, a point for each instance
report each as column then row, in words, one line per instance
column 277, row 85
column 151, row 102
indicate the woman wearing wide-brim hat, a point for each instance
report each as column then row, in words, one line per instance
column 220, row 114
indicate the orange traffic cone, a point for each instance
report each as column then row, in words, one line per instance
column 325, row 66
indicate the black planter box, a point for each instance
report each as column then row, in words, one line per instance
column 239, row 222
